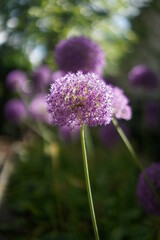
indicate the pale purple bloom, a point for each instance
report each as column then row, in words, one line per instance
column 79, row 53
column 15, row 111
column 80, row 99
column 41, row 77
column 120, row 103
column 145, row 195
column 17, row 80
column 143, row 77
column 38, row 109
column 56, row 75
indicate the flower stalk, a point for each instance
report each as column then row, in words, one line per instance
column 91, row 206
column 135, row 158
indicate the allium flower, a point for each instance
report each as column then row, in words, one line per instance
column 120, row 104
column 80, row 99
column 41, row 77
column 79, row 53
column 144, row 77
column 15, row 111
column 56, row 75
column 17, row 80
column 145, row 196
column 38, row 109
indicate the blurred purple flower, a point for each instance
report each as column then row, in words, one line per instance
column 41, row 77
column 79, row 53
column 17, row 81
column 145, row 196
column 56, row 75
column 151, row 115
column 143, row 77
column 109, row 135
column 15, row 111
column 80, row 99
column 38, row 109
column 120, row 102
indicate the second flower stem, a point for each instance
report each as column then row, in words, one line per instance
column 132, row 152
column 88, row 184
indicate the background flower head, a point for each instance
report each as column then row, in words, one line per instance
column 15, row 111
column 41, row 77
column 80, row 99
column 38, row 109
column 145, row 196
column 79, row 53
column 143, row 77
column 17, row 80
column 120, row 102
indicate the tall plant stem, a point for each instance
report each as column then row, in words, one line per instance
column 135, row 158
column 88, row 184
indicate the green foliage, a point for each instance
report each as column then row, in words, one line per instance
column 49, row 201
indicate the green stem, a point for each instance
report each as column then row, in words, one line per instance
column 132, row 152
column 88, row 184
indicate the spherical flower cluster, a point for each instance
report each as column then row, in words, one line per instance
column 79, row 53
column 17, row 80
column 80, row 99
column 120, row 103
column 145, row 196
column 38, row 109
column 41, row 77
column 15, row 111
column 143, row 77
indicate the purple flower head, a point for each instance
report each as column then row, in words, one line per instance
column 17, row 80
column 145, row 196
column 120, row 102
column 56, row 75
column 41, row 77
column 109, row 135
column 143, row 77
column 79, row 53
column 80, row 99
column 151, row 115
column 15, row 111
column 38, row 109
